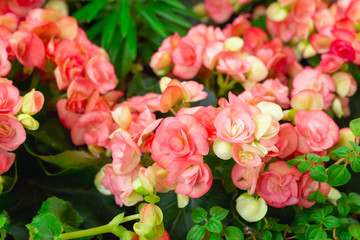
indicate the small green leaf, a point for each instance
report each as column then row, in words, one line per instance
column 354, row 198
column 343, row 210
column 62, row 210
column 109, row 29
column 198, row 215
column 314, row 158
column 131, row 39
column 277, row 236
column 44, row 227
column 215, row 236
column 267, row 235
column 233, row 233
column 342, row 151
column 197, row 232
column 338, row 175
column 218, row 212
column 345, row 236
column 295, row 161
column 304, row 166
column 5, row 221
column 152, row 20
column 355, row 126
column 355, row 164
column 354, row 230
column 317, row 196
column 315, row 232
column 332, row 222
column 214, row 225
column 355, row 146
column 318, row 173
column 124, row 17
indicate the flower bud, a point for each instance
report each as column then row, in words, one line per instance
column 345, row 84
column 276, row 12
column 337, row 107
column 309, row 51
column 97, row 181
column 182, row 200
column 346, row 135
column 272, row 109
column 222, row 149
column 258, row 70
column 147, row 179
column 333, row 196
column 164, row 81
column 59, row 5
column 251, row 209
column 307, row 100
column 161, row 62
column 122, row 116
column 32, row 102
column 28, row 122
column 234, row 44
column 150, row 225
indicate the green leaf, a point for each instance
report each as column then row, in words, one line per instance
column 332, row 222
column 44, row 227
column 304, row 166
column 345, row 236
column 198, row 215
column 354, row 198
column 267, row 235
column 172, row 17
column 318, row 173
column 233, row 233
column 313, row 157
column 317, row 196
column 342, row 151
column 355, row 126
column 89, row 11
column 260, row 22
column 152, row 20
column 314, row 61
column 96, row 29
column 277, row 236
column 355, row 146
column 197, row 232
column 355, row 164
column 5, row 221
column 214, row 225
column 354, row 230
column 218, row 212
column 175, row 3
column 63, row 211
column 338, row 175
column 109, row 29
column 124, row 17
column 131, row 39
column 152, row 199
column 315, row 232
column 343, row 210
column 215, row 236
column 295, row 161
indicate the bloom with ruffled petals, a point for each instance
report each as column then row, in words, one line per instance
column 10, row 100
column 308, row 185
column 12, row 132
column 219, row 10
column 6, row 160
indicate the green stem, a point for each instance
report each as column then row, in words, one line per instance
column 130, row 218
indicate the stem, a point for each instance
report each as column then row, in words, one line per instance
column 172, row 111
column 130, row 218
column 340, row 161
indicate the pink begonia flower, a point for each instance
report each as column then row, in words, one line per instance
column 12, row 132
column 172, row 94
column 70, row 110
column 279, row 186
column 10, row 99
column 10, row 21
column 235, row 125
column 22, row 7
column 246, row 178
column 125, row 153
column 101, row 73
column 308, row 185
column 29, row 49
column 352, row 12
column 287, row 141
column 139, row 103
column 316, row 131
column 160, row 60
column 6, row 160
column 303, row 9
column 320, row 42
column 237, row 26
column 254, row 38
column 323, row 18
column 121, row 186
column 191, row 175
column 211, row 54
column 92, row 128
column 70, row 63
column 314, row 79
column 233, row 65
column 194, row 91
column 330, row 63
column 202, row 34
column 307, row 100
column 246, row 155
column 285, row 29
column 179, row 137
column 5, row 65
column 219, row 10
column 187, row 59
column 342, row 49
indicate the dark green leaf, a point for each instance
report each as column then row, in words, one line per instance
column 173, row 18
column 90, row 10
column 44, row 227
column 295, row 161
column 313, row 157
column 175, row 3
column 96, row 29
column 62, row 210
column 131, row 39
column 318, row 173
column 355, row 126
column 338, row 175
column 152, row 20
column 197, row 232
column 215, row 236
column 109, row 29
column 332, row 222
column 355, row 164
column 342, row 151
column 277, row 236
column 218, row 212
column 214, row 225
column 343, row 210
column 317, row 196
column 314, row 61
column 315, row 232
column 355, row 146
column 354, row 198
column 345, row 236
column 198, row 215
column 233, row 233
column 354, row 230
column 260, row 22
column 124, row 17
column 267, row 235
column 304, row 166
